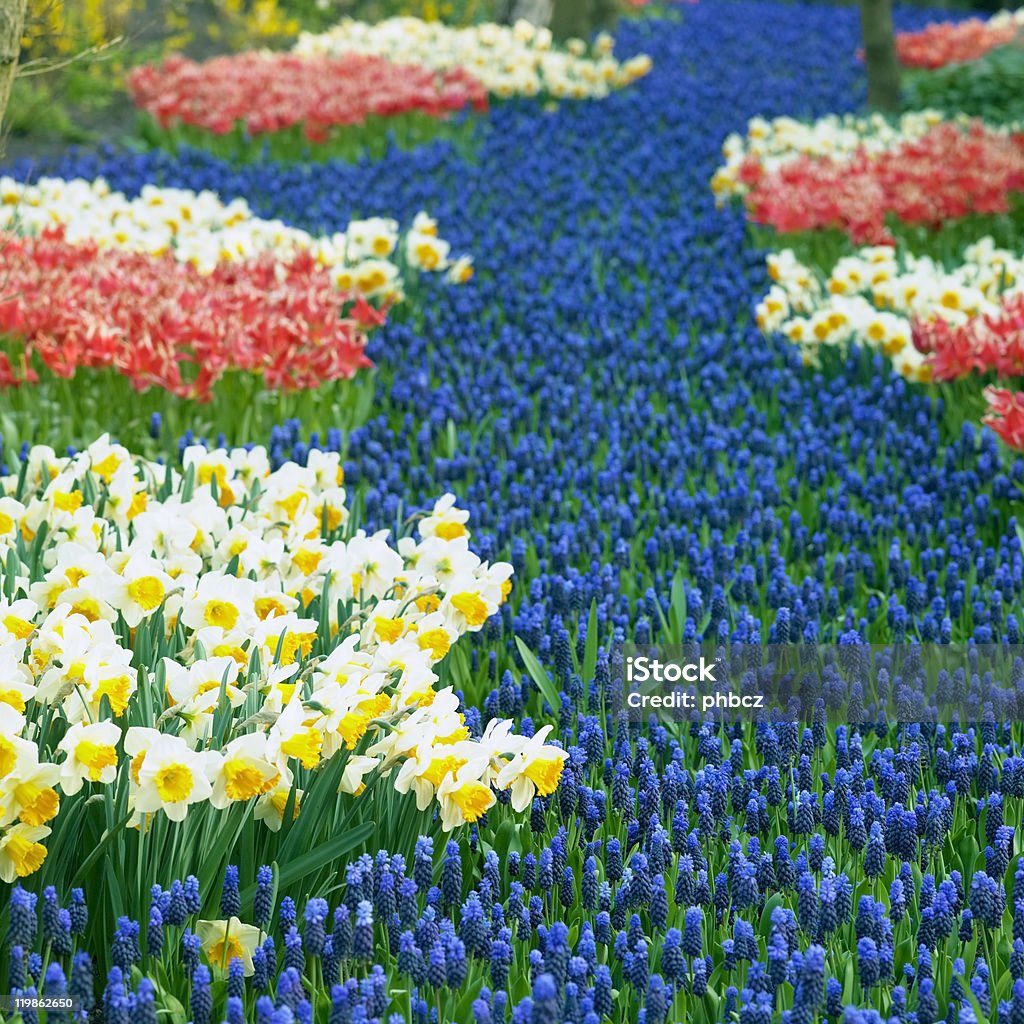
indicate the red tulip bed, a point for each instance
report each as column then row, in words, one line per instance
column 987, row 346
column 940, row 44
column 162, row 324
column 948, row 173
column 289, row 103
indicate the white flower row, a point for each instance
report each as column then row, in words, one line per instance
column 517, row 61
column 769, row 144
column 202, row 229
column 870, row 298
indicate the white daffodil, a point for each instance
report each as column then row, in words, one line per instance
column 224, row 941
column 91, row 755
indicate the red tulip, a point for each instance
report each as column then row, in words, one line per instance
column 947, row 173
column 1006, row 415
column 269, row 92
column 163, row 324
column 984, row 344
column 944, row 43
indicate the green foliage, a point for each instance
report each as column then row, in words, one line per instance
column 35, row 110
column 992, row 87
column 452, row 12
column 945, row 243
column 77, row 411
column 373, row 138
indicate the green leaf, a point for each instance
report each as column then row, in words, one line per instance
column 766, row 915
column 538, row 674
column 848, row 982
column 973, row 999
column 677, row 607
column 968, row 850
column 116, row 886
column 97, row 851
column 590, row 650
column 507, row 839
column 170, row 1005
column 326, row 853
column 217, row 856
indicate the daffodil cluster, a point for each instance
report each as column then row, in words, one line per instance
column 203, row 230
column 518, row 61
column 214, row 637
column 872, row 297
column 769, row 144
column 1004, row 17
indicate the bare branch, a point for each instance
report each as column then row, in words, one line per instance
column 44, row 65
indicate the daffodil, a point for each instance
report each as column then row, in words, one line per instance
column 91, row 755
column 534, row 769
column 21, row 852
column 393, row 612
column 357, row 767
column 462, row 796
column 170, row 776
column 244, row 772
column 203, row 231
column 518, row 60
column 272, row 805
column 224, row 941
column 429, row 766
column 27, row 792
column 445, row 521
column 141, row 588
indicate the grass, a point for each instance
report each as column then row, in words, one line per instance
column 94, row 402
column 944, row 243
column 991, row 87
column 38, row 111
column 372, row 139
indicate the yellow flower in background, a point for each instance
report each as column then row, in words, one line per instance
column 202, row 230
column 872, row 297
column 224, row 941
column 518, row 60
column 21, row 852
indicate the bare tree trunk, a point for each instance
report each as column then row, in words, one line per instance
column 883, row 69
column 580, row 19
column 537, row 12
column 12, row 24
